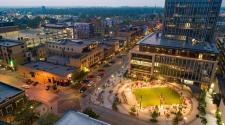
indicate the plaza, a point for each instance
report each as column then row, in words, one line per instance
column 166, row 97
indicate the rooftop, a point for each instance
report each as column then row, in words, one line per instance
column 51, row 68
column 78, row 118
column 7, row 91
column 72, row 42
column 55, row 26
column 154, row 40
column 9, row 43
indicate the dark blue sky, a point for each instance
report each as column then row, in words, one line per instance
column 84, row 2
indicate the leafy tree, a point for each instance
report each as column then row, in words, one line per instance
column 218, row 117
column 78, row 75
column 154, row 116
column 133, row 110
column 203, row 120
column 47, row 119
column 91, row 113
column 178, row 117
column 26, row 114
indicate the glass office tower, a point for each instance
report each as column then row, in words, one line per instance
column 192, row 20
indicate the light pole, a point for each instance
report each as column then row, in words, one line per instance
column 141, row 101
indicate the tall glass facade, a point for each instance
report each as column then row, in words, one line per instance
column 191, row 20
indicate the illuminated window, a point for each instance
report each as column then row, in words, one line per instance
column 187, row 25
column 200, row 56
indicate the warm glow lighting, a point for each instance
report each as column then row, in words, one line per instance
column 85, row 69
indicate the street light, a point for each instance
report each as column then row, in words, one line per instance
column 141, row 101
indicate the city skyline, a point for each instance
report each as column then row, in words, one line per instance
column 85, row 3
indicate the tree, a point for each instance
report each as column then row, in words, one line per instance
column 218, row 117
column 154, row 116
column 133, row 110
column 178, row 117
column 78, row 75
column 201, row 107
column 26, row 114
column 91, row 113
column 203, row 120
column 48, row 119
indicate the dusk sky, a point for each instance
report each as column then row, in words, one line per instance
column 84, row 2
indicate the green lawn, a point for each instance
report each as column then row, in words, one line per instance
column 151, row 96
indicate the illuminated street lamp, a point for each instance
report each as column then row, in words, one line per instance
column 12, row 64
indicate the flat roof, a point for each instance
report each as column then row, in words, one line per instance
column 60, row 70
column 9, row 43
column 78, row 118
column 51, row 25
column 71, row 42
column 7, row 91
column 153, row 40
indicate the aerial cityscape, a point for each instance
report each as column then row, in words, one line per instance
column 112, row 62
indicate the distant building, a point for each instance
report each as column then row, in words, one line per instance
column 59, row 31
column 110, row 46
column 7, row 27
column 77, row 118
column 130, row 35
column 192, row 20
column 10, row 98
column 12, row 52
column 83, row 30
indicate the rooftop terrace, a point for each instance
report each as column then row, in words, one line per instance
column 156, row 40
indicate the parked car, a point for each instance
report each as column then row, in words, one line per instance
column 101, row 70
column 35, row 83
column 47, row 88
column 28, row 81
column 90, row 76
column 83, row 89
column 25, row 86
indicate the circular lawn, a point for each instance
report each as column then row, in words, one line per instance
column 156, row 96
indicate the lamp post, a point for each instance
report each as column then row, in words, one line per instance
column 141, row 101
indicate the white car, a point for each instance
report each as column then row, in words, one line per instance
column 26, row 86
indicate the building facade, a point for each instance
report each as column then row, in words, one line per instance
column 190, row 65
column 45, row 72
column 11, row 97
column 192, row 20
column 221, row 59
column 12, row 52
column 78, row 53
column 186, row 50
column 83, row 30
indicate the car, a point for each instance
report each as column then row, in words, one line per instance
column 101, row 74
column 101, row 70
column 106, row 65
column 35, row 83
column 28, row 81
column 112, row 62
column 83, row 89
column 25, row 86
column 47, row 88
column 90, row 76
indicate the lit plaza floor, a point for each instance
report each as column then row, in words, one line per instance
column 122, row 87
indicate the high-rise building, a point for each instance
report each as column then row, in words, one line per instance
column 186, row 49
column 192, row 20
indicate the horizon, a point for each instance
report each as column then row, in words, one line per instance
column 85, row 3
